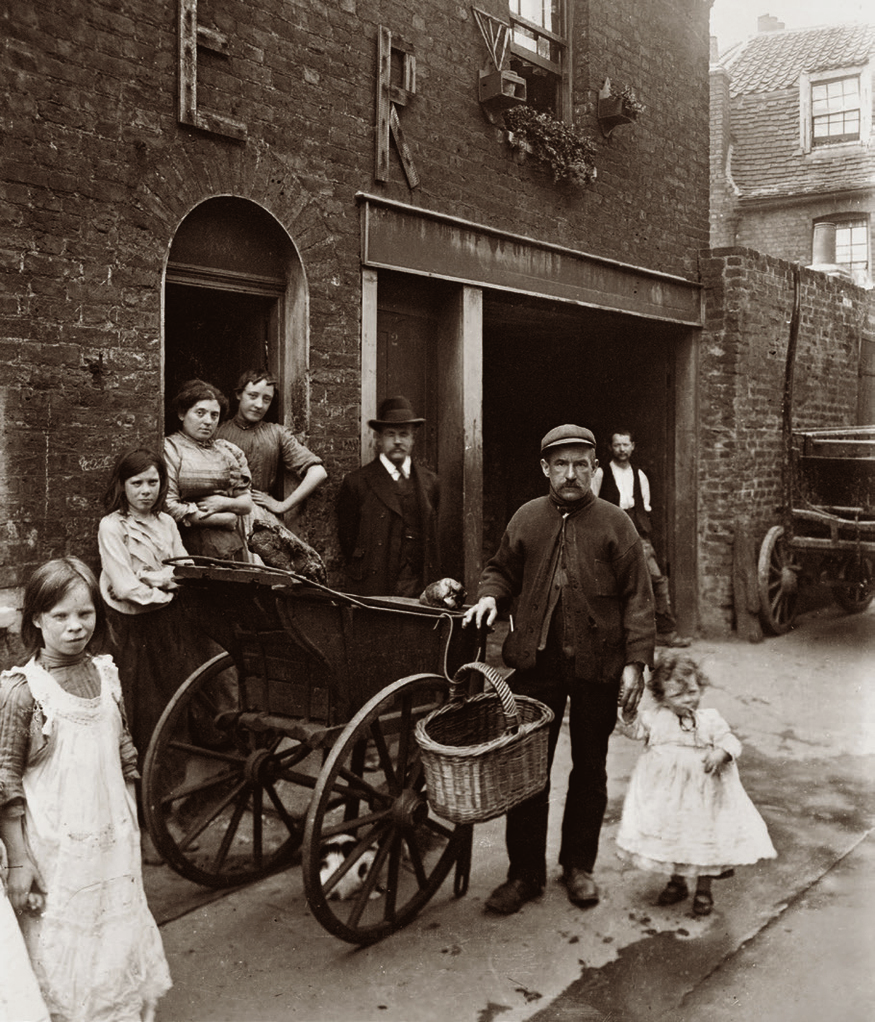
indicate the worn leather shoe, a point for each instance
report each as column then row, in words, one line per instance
column 581, row 887
column 510, row 896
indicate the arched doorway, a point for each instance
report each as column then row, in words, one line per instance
column 235, row 298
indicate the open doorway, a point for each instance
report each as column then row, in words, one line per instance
column 545, row 364
column 235, row 299
column 215, row 336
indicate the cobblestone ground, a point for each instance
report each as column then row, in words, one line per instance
column 804, row 707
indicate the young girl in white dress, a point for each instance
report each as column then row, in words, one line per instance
column 686, row 812
column 67, row 811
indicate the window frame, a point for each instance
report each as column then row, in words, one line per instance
column 561, row 71
column 848, row 221
column 808, row 81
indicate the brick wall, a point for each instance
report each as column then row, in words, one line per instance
column 788, row 232
column 749, row 301
column 98, row 174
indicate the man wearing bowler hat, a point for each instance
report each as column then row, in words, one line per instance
column 584, row 631
column 387, row 512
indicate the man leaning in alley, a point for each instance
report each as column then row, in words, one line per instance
column 584, row 631
column 628, row 488
column 387, row 512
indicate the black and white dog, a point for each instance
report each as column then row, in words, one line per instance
column 333, row 853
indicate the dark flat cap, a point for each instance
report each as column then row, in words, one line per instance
column 567, row 434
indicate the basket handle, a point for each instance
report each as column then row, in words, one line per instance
column 459, row 684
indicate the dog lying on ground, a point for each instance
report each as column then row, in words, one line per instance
column 333, row 854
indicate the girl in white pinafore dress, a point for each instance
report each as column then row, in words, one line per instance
column 68, row 816
column 686, row 812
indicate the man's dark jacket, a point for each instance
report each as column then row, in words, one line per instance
column 607, row 592
column 370, row 527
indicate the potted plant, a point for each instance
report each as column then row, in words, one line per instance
column 617, row 105
column 567, row 150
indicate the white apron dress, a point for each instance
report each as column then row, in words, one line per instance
column 96, row 949
column 20, row 999
column 679, row 819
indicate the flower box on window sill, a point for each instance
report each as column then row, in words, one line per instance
column 614, row 111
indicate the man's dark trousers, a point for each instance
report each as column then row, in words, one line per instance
column 592, row 716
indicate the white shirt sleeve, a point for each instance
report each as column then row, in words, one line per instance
column 645, row 490
column 597, row 478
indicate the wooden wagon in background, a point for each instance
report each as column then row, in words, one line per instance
column 827, row 531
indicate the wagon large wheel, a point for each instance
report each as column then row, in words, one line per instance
column 220, row 799
column 858, row 590
column 392, row 852
column 778, row 582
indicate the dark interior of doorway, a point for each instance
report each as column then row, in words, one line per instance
column 214, row 335
column 545, row 364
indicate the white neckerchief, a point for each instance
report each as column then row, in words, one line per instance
column 393, row 470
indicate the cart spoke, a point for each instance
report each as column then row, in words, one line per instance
column 352, row 825
column 360, row 788
column 364, row 895
column 257, row 828
column 292, row 825
column 414, row 853
column 416, row 860
column 405, row 736
column 392, row 880
column 230, row 831
column 384, row 755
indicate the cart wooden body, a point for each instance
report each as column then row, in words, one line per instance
column 297, row 738
column 827, row 536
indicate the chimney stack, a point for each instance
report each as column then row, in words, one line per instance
column 824, row 245
column 768, row 23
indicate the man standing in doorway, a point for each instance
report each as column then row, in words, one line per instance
column 629, row 489
column 584, row 632
column 387, row 512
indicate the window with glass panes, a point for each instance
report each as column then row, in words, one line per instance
column 835, row 110
column 852, row 244
column 538, row 50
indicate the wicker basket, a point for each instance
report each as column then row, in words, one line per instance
column 483, row 754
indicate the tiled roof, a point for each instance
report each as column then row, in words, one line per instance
column 774, row 60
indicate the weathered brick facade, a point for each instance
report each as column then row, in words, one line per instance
column 98, row 175
column 749, row 302
column 572, row 303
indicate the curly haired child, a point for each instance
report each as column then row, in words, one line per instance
column 686, row 812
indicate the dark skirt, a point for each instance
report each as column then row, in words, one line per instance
column 155, row 652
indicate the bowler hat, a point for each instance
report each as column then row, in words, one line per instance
column 394, row 411
column 567, row 434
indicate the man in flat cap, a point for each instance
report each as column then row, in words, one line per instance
column 387, row 512
column 584, row 631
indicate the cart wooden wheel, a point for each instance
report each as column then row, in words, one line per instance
column 374, row 852
column 778, row 582
column 858, row 590
column 220, row 800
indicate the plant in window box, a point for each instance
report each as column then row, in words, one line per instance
column 617, row 105
column 567, row 150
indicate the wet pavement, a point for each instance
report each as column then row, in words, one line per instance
column 792, row 938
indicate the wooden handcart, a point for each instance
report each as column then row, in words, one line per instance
column 827, row 533
column 301, row 733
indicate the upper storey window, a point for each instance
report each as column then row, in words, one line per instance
column 539, row 53
column 835, row 107
column 835, row 110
